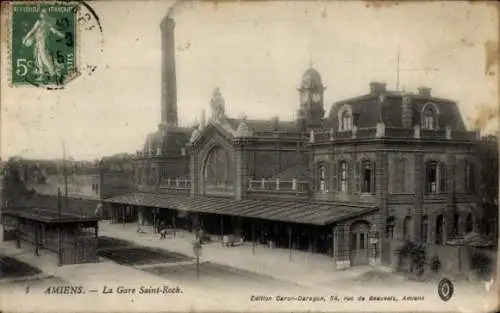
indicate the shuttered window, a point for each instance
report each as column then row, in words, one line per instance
column 343, row 173
column 334, row 175
column 442, row 178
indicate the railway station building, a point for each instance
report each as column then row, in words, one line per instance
column 348, row 179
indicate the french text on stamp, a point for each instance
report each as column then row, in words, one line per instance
column 43, row 43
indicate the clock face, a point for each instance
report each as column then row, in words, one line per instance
column 307, row 83
column 316, row 97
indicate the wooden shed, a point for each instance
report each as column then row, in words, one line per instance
column 72, row 237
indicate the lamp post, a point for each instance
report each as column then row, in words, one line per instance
column 374, row 240
column 197, row 250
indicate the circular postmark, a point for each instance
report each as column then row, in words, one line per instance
column 53, row 43
column 445, row 289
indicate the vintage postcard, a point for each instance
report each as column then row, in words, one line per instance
column 249, row 156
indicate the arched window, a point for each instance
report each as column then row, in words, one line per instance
column 343, row 176
column 429, row 116
column 468, row 223
column 440, row 229
column 219, row 169
column 407, row 228
column 389, row 227
column 428, row 119
column 424, row 229
column 345, row 121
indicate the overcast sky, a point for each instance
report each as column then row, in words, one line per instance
column 256, row 53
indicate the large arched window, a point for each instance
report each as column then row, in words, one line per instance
column 219, row 169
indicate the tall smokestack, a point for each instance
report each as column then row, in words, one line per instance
column 168, row 77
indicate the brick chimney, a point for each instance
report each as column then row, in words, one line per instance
column 424, row 91
column 377, row 87
column 168, row 76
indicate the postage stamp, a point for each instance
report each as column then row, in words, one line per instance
column 43, row 43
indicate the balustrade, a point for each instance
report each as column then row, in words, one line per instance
column 176, row 183
column 277, row 185
column 433, row 134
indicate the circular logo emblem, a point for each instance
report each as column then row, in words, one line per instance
column 445, row 289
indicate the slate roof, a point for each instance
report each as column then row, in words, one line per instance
column 294, row 171
column 371, row 111
column 47, row 215
column 277, row 210
column 268, row 125
column 76, row 206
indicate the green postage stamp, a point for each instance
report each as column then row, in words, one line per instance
column 43, row 43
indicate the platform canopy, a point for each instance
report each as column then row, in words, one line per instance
column 278, row 210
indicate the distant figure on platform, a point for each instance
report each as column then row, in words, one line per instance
column 163, row 230
column 98, row 210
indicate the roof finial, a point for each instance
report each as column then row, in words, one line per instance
column 310, row 59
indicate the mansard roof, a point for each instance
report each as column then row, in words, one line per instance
column 371, row 110
column 267, row 125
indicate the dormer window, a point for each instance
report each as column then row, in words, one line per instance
column 345, row 117
column 429, row 120
column 345, row 121
column 429, row 116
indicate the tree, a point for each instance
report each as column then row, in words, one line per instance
column 13, row 187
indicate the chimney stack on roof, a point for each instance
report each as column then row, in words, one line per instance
column 276, row 121
column 424, row 91
column 377, row 87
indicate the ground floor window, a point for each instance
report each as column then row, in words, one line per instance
column 407, row 228
column 468, row 223
column 389, row 228
column 440, row 229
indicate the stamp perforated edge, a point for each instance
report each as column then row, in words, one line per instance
column 9, row 19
